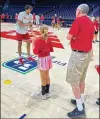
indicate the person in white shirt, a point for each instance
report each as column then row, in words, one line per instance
column 37, row 20
column 25, row 21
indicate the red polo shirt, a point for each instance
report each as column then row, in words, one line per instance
column 83, row 29
column 42, row 48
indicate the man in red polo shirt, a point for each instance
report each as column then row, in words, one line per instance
column 80, row 36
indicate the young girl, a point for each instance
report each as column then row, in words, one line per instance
column 42, row 48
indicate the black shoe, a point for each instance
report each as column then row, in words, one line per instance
column 76, row 113
column 96, row 41
column 73, row 101
column 98, row 101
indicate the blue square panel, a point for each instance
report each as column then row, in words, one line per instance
column 25, row 68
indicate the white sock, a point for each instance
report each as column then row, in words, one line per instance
column 82, row 98
column 79, row 104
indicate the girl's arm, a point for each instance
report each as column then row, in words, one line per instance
column 51, row 47
column 36, row 45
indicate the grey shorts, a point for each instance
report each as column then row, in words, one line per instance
column 77, row 67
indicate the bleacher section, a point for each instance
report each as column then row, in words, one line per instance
column 96, row 11
column 16, row 9
column 67, row 12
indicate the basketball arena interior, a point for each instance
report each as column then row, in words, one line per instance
column 20, row 81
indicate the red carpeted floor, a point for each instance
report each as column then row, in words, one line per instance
column 11, row 35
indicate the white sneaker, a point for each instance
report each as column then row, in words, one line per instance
column 39, row 96
column 48, row 95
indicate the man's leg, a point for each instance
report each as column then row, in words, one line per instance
column 82, row 80
column 82, row 89
column 75, row 70
column 19, row 48
column 77, row 94
column 28, row 51
column 28, row 48
column 20, row 52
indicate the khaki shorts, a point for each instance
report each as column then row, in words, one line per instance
column 77, row 67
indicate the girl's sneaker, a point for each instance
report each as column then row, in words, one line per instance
column 48, row 95
column 39, row 96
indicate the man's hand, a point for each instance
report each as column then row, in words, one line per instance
column 74, row 38
column 33, row 34
column 30, row 24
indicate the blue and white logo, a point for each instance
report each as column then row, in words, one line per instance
column 25, row 68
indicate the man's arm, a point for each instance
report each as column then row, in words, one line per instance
column 72, row 35
column 31, row 27
column 22, row 24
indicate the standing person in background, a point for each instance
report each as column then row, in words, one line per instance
column 56, row 20
column 53, row 21
column 98, row 71
column 7, row 16
column 25, row 21
column 42, row 47
column 16, row 17
column 41, row 19
column 58, row 23
column 96, row 27
column 80, row 36
column 34, row 19
column 3, row 17
column 37, row 20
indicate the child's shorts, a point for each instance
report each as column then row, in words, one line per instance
column 45, row 63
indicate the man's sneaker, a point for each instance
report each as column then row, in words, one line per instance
column 48, row 95
column 73, row 101
column 39, row 96
column 21, row 61
column 97, row 41
column 76, row 113
column 30, row 59
column 98, row 101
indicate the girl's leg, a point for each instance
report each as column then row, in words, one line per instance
column 47, row 81
column 43, row 81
